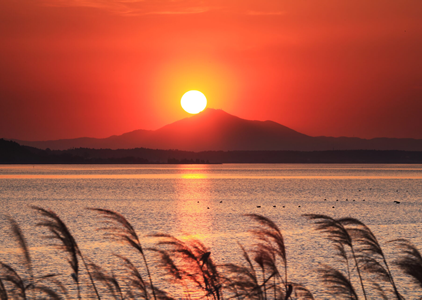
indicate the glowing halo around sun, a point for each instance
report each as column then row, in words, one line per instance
column 193, row 102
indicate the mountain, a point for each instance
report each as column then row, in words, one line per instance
column 218, row 130
column 213, row 130
column 128, row 140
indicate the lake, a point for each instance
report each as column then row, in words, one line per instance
column 209, row 202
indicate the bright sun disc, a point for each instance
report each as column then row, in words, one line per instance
column 194, row 102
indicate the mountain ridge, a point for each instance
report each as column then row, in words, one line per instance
column 215, row 130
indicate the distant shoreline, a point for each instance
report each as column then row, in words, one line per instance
column 13, row 153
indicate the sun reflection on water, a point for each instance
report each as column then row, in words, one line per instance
column 193, row 203
column 194, row 176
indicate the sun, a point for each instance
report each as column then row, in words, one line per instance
column 193, row 102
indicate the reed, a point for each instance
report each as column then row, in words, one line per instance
column 59, row 232
column 196, row 262
column 340, row 236
column 189, row 271
column 410, row 261
column 271, row 247
column 371, row 251
column 337, row 283
column 121, row 230
column 24, row 284
column 242, row 281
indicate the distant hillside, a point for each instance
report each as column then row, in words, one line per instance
column 215, row 130
column 13, row 153
column 125, row 141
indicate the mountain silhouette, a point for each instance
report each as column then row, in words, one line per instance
column 218, row 130
column 214, row 129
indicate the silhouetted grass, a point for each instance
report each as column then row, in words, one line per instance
column 410, row 262
column 187, row 268
column 121, row 230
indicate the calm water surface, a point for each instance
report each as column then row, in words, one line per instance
column 208, row 202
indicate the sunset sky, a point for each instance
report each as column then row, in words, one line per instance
column 73, row 68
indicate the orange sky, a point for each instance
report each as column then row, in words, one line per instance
column 100, row 67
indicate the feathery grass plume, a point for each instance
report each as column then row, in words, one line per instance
column 239, row 284
column 32, row 285
column 46, row 291
column 109, row 281
column 119, row 228
column 411, row 262
column 60, row 232
column 53, row 280
column 196, row 262
column 3, row 292
column 20, row 288
column 270, row 247
column 17, row 232
column 135, row 280
column 302, row 292
column 336, row 283
column 259, row 259
column 341, row 252
column 337, row 234
column 265, row 258
column 370, row 264
column 366, row 243
column 242, row 281
column 8, row 274
column 271, row 235
column 176, row 275
column 162, row 295
column 378, row 289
